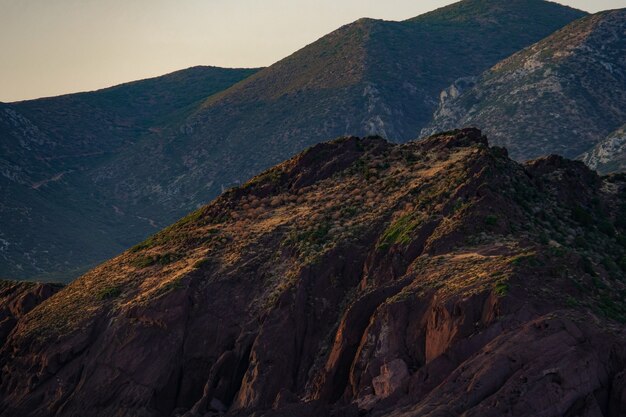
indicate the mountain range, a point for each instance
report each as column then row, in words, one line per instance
column 87, row 175
column 359, row 278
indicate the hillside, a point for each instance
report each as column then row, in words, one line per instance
column 609, row 155
column 358, row 278
column 368, row 77
column 562, row 95
column 54, row 221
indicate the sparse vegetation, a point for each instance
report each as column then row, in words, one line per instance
column 145, row 261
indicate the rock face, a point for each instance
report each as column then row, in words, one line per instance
column 17, row 299
column 609, row 155
column 562, row 95
column 123, row 163
column 358, row 278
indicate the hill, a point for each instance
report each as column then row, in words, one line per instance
column 368, row 77
column 358, row 278
column 54, row 221
column 562, row 95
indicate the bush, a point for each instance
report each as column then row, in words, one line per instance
column 145, row 261
column 582, row 216
column 501, row 289
column 109, row 292
column 491, row 220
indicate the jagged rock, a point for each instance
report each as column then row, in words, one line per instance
column 17, row 299
column 393, row 377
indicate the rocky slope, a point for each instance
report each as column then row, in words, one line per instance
column 17, row 299
column 609, row 155
column 53, row 219
column 358, row 278
column 367, row 77
column 562, row 95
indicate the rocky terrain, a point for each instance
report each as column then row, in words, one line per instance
column 88, row 175
column 563, row 95
column 360, row 277
column 17, row 299
column 610, row 154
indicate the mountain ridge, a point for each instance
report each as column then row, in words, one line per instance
column 445, row 270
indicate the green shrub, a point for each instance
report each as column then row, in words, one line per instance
column 587, row 266
column 622, row 263
column 491, row 220
column 201, row 263
column 501, row 289
column 582, row 216
column 145, row 261
column 399, row 232
column 109, row 292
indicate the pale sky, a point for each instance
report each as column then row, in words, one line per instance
column 51, row 47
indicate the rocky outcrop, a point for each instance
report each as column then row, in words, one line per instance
column 17, row 299
column 608, row 156
column 358, row 278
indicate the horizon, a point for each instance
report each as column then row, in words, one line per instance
column 63, row 51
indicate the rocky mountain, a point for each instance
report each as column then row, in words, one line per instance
column 610, row 154
column 53, row 219
column 562, row 95
column 369, row 77
column 359, row 278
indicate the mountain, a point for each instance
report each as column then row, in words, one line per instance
column 88, row 175
column 360, row 277
column 54, row 220
column 610, row 154
column 562, row 95
column 369, row 77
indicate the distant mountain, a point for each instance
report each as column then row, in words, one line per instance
column 359, row 278
column 369, row 77
column 562, row 95
column 610, row 154
column 53, row 220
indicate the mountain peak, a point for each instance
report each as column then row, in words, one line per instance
column 504, row 10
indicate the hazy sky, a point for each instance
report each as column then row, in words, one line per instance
column 50, row 47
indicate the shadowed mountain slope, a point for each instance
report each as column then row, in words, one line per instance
column 562, row 95
column 358, row 278
column 54, row 221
